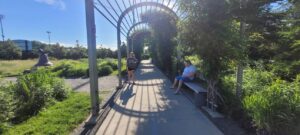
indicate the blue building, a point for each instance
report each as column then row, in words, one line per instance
column 24, row 45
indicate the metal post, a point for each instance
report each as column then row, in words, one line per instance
column 1, row 17
column 127, row 47
column 119, row 56
column 132, row 43
column 49, row 37
column 239, row 74
column 91, row 40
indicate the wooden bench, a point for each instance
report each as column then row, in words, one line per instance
column 200, row 93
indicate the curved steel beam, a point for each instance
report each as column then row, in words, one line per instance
column 133, row 7
column 124, row 13
column 133, row 26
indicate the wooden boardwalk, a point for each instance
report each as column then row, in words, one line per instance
column 150, row 108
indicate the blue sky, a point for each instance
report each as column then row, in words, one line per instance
column 30, row 19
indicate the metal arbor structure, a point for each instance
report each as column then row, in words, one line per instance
column 125, row 16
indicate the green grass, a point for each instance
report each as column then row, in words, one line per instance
column 123, row 69
column 16, row 67
column 79, row 67
column 60, row 118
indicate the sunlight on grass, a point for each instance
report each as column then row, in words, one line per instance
column 60, row 118
column 16, row 67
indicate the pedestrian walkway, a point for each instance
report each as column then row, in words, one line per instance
column 150, row 108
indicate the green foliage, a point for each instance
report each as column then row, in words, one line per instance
column 77, row 52
column 60, row 118
column 211, row 35
column 105, row 70
column 34, row 91
column 6, row 106
column 61, row 52
column 161, row 42
column 111, row 62
column 71, row 69
column 137, row 42
column 106, row 53
column 58, row 51
column 276, row 109
column 9, row 51
column 256, row 80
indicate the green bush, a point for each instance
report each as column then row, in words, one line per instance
column 114, row 65
column 232, row 104
column 111, row 62
column 9, row 51
column 71, row 69
column 6, row 106
column 34, row 91
column 277, row 108
column 60, row 90
column 105, row 70
column 256, row 80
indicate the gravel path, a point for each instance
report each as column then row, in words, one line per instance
column 106, row 83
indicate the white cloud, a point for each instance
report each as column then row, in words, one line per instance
column 57, row 3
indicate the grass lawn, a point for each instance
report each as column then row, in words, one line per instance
column 60, row 118
column 16, row 67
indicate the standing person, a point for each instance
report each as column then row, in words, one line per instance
column 187, row 75
column 131, row 66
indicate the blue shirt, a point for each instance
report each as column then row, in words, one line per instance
column 188, row 70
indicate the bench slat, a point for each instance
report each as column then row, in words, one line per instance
column 195, row 87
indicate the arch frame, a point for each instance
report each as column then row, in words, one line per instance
column 124, row 13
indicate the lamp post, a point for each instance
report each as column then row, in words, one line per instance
column 2, row 17
column 49, row 32
column 77, row 43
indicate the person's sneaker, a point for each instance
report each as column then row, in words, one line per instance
column 172, row 88
column 176, row 93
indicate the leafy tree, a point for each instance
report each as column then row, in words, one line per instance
column 138, row 38
column 9, row 51
column 77, row 52
column 58, row 51
column 105, row 53
column 213, row 34
column 163, row 32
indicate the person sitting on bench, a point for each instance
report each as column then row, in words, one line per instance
column 187, row 75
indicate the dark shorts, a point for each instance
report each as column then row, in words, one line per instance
column 184, row 79
column 130, row 69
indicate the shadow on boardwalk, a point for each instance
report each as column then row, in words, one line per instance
column 151, row 108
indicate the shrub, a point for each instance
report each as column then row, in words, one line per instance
column 105, row 70
column 256, row 80
column 277, row 108
column 232, row 104
column 9, row 51
column 60, row 90
column 113, row 64
column 34, row 91
column 71, row 69
column 5, row 103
